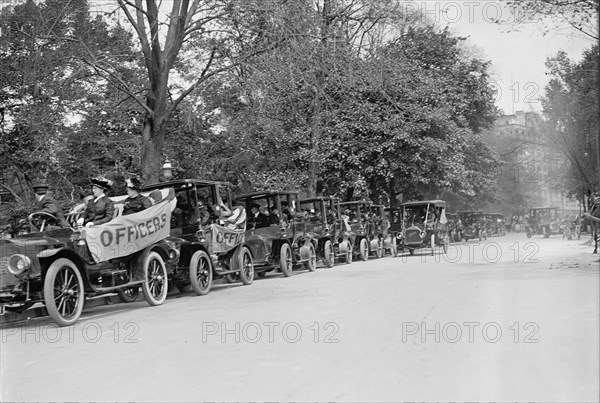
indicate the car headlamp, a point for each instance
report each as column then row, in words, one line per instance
column 18, row 264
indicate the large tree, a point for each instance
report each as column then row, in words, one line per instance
column 570, row 107
column 215, row 38
column 48, row 97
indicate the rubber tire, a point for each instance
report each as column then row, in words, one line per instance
column 201, row 266
column 311, row 263
column 364, row 249
column 348, row 257
column 161, row 280
column 247, row 272
column 285, row 260
column 328, row 254
column 76, row 289
column 129, row 294
column 379, row 251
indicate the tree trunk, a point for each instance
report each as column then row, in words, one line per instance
column 315, row 137
column 153, row 133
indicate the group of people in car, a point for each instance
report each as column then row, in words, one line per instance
column 96, row 208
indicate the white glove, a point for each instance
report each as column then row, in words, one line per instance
column 80, row 221
column 90, row 224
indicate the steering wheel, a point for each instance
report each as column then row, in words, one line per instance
column 39, row 220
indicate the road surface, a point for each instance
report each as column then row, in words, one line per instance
column 507, row 319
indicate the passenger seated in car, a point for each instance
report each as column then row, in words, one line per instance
column 274, row 215
column 100, row 209
column 256, row 218
column 135, row 202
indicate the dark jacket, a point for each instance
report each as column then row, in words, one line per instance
column 99, row 212
column 49, row 205
column 135, row 204
column 259, row 220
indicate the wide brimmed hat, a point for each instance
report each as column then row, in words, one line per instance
column 40, row 188
column 134, row 183
column 101, row 182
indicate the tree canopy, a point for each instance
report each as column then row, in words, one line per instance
column 347, row 98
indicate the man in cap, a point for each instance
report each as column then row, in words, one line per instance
column 47, row 204
column 135, row 202
column 100, row 209
column 257, row 219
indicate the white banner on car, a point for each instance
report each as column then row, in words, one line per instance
column 125, row 235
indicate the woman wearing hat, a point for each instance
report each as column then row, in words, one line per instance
column 100, row 209
column 135, row 202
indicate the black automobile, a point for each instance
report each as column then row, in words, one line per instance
column 283, row 242
column 543, row 221
column 424, row 226
column 61, row 267
column 361, row 228
column 474, row 225
column 209, row 250
column 327, row 229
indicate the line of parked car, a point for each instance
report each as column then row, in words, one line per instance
column 61, row 267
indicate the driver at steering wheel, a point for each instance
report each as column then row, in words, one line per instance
column 47, row 204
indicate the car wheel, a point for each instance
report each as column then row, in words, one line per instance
column 201, row 274
column 247, row 266
column 156, row 284
column 128, row 294
column 379, row 251
column 364, row 249
column 311, row 263
column 285, row 259
column 328, row 254
column 63, row 292
column 394, row 251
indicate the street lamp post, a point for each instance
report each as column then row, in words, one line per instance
column 167, row 170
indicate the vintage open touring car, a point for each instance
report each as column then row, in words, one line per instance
column 279, row 242
column 474, row 225
column 60, row 267
column 357, row 215
column 325, row 226
column 208, row 249
column 543, row 221
column 424, row 225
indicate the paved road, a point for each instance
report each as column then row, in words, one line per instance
column 507, row 319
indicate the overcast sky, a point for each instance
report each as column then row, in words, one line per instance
column 518, row 57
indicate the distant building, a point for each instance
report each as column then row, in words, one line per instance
column 519, row 141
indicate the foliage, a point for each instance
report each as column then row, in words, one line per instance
column 570, row 106
column 553, row 15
